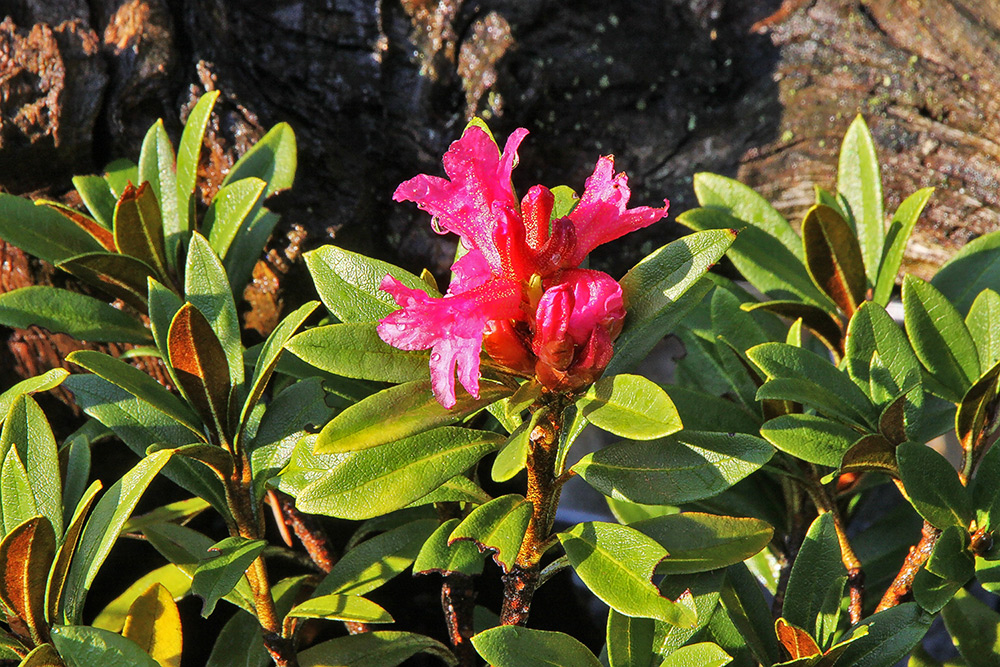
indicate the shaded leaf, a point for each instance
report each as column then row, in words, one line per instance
column 817, row 574
column 437, row 555
column 629, row 640
column 219, row 574
column 975, row 267
column 85, row 646
column 974, row 627
column 698, row 542
column 169, row 577
column 820, row 322
column 373, row 649
column 119, row 276
column 78, row 315
column 139, row 229
column 200, row 365
column 99, row 233
column 744, row 601
column 833, row 257
column 207, row 289
column 41, row 231
column 933, row 486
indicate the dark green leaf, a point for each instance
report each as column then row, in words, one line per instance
column 744, row 601
column 817, row 573
column 630, row 406
column 629, row 640
column 272, row 159
column 497, row 526
column 373, row 649
column 41, row 231
column 976, row 413
column 933, row 486
column 833, row 257
column 163, row 305
column 872, row 331
column 77, row 474
column 682, row 468
column 985, row 487
column 975, row 629
column 810, row 437
column 247, row 248
column 860, row 181
column 819, row 321
column 701, row 589
column 119, row 276
column 983, row 314
column 932, row 592
column 84, row 646
column 514, row 646
column 697, row 542
column 207, row 289
column 971, row 270
column 617, row 564
column 219, row 574
column 240, row 644
column 355, row 350
column 871, row 453
column 62, row 311
column 64, row 555
column 951, row 558
column 229, row 209
column 704, row 412
column 895, row 243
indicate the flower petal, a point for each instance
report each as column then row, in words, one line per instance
column 602, row 216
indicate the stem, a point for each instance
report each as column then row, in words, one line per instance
column 543, row 493
column 310, row 533
column 458, row 600
column 902, row 585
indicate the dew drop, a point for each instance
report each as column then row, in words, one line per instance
column 435, row 356
column 400, row 327
column 436, row 225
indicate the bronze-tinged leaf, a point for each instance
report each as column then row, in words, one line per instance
column 86, row 223
column 821, row 323
column 212, row 456
column 64, row 557
column 892, row 422
column 43, row 656
column 977, row 411
column 796, row 641
column 200, row 364
column 872, row 453
column 26, row 554
column 154, row 623
column 138, row 228
column 833, row 257
column 121, row 276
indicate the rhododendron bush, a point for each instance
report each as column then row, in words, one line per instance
column 776, row 503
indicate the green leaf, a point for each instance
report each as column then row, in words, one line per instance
column 42, row 231
column 697, row 542
column 119, row 174
column 112, row 617
column 369, row 482
column 240, row 644
column 682, row 468
column 355, row 350
column 699, row 590
column 373, row 649
column 17, row 502
column 437, row 555
column 659, row 279
column 985, row 310
column 102, row 530
column 26, row 554
column 810, row 437
column 896, row 239
column 119, row 276
column 62, row 311
column 975, row 267
column 744, row 601
column 44, row 382
column 985, row 489
column 40, row 656
column 163, row 305
column 272, row 159
column 189, row 153
column 975, row 415
column 514, row 646
column 27, row 429
column 932, row 592
column 229, row 209
column 336, row 607
column 933, row 486
column 820, row 322
column 939, row 337
column 139, row 229
column 768, row 263
column 97, row 195
column 629, row 640
column 497, row 526
column 974, row 627
column 157, row 167
column 833, row 257
column 860, row 181
column 348, row 283
column 872, row 331
column 704, row 654
column 199, row 364
column 704, row 412
column 77, row 474
column 376, row 560
column 951, row 557
column 207, row 289
column 139, row 384
column 414, row 409
column 219, row 574
column 818, row 574
column 800, row 375
column 630, row 406
column 247, row 248
column 85, row 646
column 617, row 564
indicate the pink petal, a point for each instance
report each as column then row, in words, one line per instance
column 602, row 216
column 471, row 270
column 479, row 191
column 594, row 300
column 451, row 327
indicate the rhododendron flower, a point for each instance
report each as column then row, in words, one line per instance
column 518, row 291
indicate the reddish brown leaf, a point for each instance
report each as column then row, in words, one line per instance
column 892, row 422
column 202, row 372
column 977, row 410
column 833, row 257
column 872, row 453
column 821, row 323
column 87, row 224
column 26, row 554
column 64, row 557
column 139, row 228
column 796, row 641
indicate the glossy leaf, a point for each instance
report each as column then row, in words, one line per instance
column 78, row 315
column 102, row 530
column 818, row 574
column 189, row 153
column 97, row 195
column 896, row 239
column 26, row 553
column 682, row 468
column 41, row 231
column 985, row 489
column 240, row 644
column 984, row 312
column 974, row 627
column 200, row 365
column 66, row 551
column 514, row 646
column 119, row 276
column 219, row 574
column 376, row 560
column 40, row 656
column 617, row 564
column 355, row 350
column 975, row 413
column 705, row 412
column 336, row 607
column 630, row 406
column 698, row 542
column 139, row 229
column 820, row 322
column 272, row 159
column 437, row 555
column 27, row 430
column 975, row 267
column 939, row 337
column 414, row 410
column 228, row 212
column 374, row 649
column 119, row 173
column 17, row 502
column 872, row 331
column 871, row 453
column 860, row 181
column 207, row 289
column 933, row 486
column 154, row 624
column 833, row 257
column 629, row 640
column 47, row 380
column 498, row 527
column 810, row 437
column 157, row 166
column 169, row 576
column 705, row 654
column 369, row 482
column 798, row 642
column 744, row 602
column 85, row 646
column 99, row 233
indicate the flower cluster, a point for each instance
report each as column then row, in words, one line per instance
column 518, row 291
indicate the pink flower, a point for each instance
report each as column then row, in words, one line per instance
column 518, row 290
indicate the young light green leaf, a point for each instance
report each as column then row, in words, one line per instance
column 157, row 167
column 860, row 182
column 617, row 564
column 85, row 646
column 229, row 209
column 497, row 526
column 42, row 231
column 933, row 486
column 704, row 654
column 514, row 646
column 630, row 406
column 895, row 243
column 17, row 503
column 437, row 555
column 374, row 649
column 272, row 159
column 97, row 195
column 698, row 542
column 119, row 173
column 354, row 349
column 335, row 607
column 27, row 430
column 62, row 311
column 189, row 154
column 47, row 380
column 217, row 575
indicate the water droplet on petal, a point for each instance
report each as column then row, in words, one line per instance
column 400, row 327
column 435, row 356
column 436, row 225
